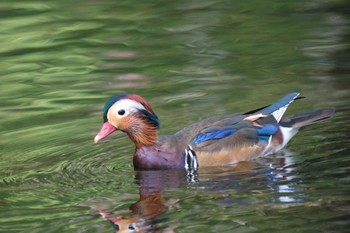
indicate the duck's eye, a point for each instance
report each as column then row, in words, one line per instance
column 131, row 227
column 121, row 112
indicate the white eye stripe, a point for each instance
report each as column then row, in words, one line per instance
column 129, row 106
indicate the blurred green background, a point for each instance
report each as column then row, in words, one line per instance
column 62, row 60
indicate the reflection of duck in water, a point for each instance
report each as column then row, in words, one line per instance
column 143, row 213
column 215, row 141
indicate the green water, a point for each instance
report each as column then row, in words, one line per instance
column 61, row 60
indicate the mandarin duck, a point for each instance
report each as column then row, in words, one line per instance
column 215, row 141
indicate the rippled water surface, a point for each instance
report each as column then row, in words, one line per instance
column 61, row 60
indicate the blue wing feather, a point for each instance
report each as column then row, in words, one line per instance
column 266, row 131
column 263, row 132
column 214, row 134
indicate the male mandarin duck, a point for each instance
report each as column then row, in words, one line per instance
column 215, row 141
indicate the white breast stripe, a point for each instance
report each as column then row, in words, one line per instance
column 191, row 162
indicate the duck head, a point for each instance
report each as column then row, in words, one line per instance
column 133, row 115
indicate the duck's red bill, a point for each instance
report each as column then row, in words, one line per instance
column 106, row 129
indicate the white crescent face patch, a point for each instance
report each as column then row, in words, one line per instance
column 123, row 108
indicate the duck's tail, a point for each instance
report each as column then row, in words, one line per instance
column 291, row 124
column 298, row 121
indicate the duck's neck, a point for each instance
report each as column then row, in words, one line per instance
column 142, row 134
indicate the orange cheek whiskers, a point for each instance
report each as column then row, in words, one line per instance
column 141, row 133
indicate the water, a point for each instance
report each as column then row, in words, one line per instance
column 62, row 60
